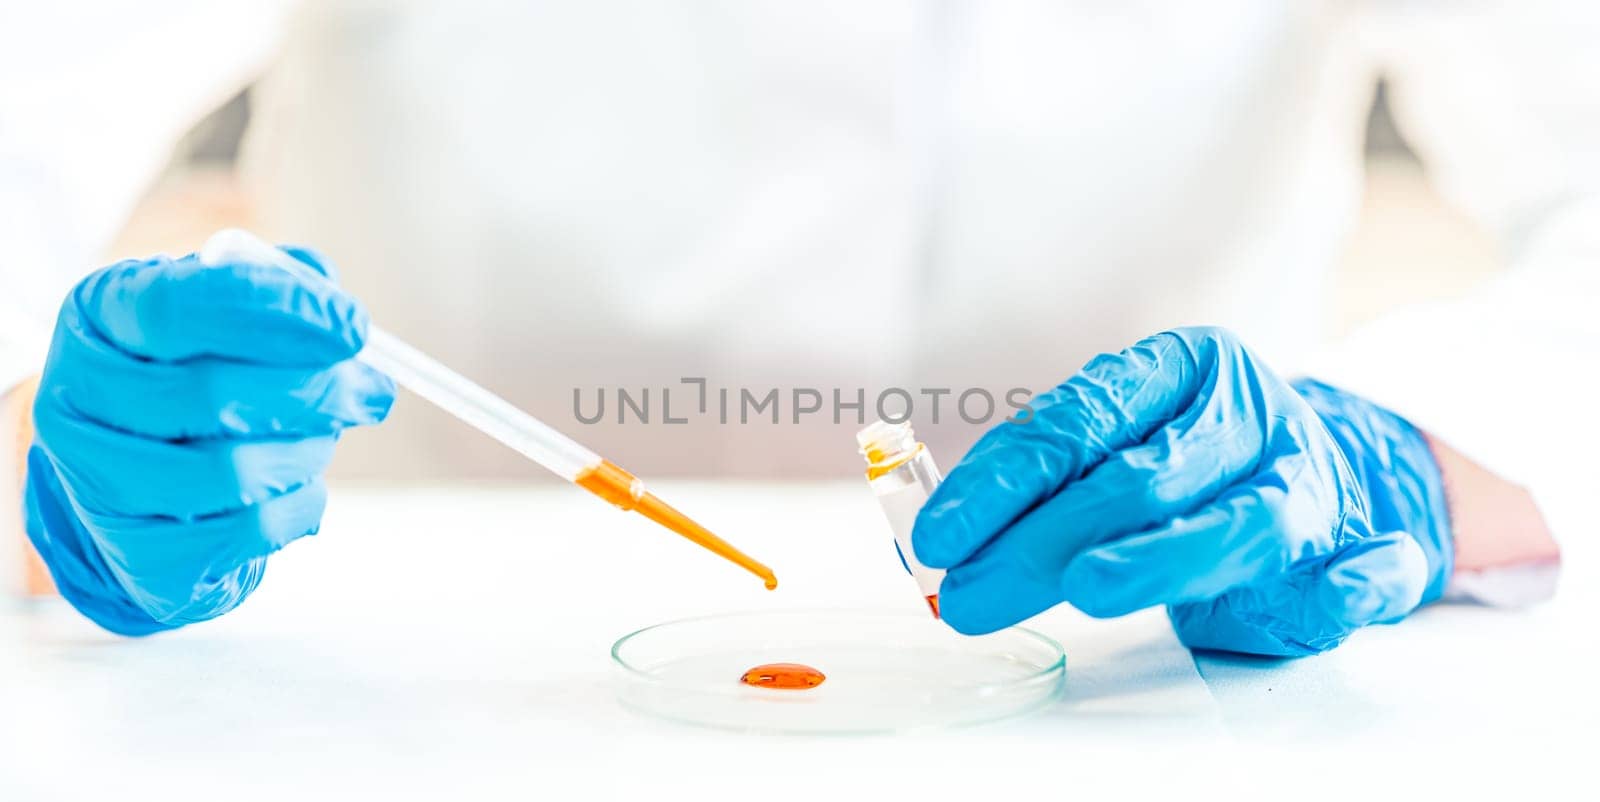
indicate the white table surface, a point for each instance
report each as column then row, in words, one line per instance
column 453, row 643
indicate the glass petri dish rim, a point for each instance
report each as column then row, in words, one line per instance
column 1051, row 672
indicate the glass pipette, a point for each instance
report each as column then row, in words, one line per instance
column 491, row 414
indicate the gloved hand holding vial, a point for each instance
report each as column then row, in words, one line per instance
column 1269, row 517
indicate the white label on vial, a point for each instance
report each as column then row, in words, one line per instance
column 901, row 507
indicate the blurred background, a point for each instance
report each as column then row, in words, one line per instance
column 487, row 176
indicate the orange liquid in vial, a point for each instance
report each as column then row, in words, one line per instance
column 783, row 676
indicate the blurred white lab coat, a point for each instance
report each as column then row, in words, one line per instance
column 94, row 94
column 568, row 196
column 825, row 195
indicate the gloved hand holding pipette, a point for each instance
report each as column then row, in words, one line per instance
column 185, row 418
column 1270, row 518
column 189, row 409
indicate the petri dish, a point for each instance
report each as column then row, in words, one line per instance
column 886, row 672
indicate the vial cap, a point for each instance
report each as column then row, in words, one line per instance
column 883, row 440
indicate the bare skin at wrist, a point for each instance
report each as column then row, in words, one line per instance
column 1495, row 523
column 16, row 434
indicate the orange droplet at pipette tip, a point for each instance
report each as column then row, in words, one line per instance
column 933, row 604
column 623, row 489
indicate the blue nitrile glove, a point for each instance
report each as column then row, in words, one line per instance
column 184, row 420
column 1270, row 518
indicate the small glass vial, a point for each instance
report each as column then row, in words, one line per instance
column 902, row 474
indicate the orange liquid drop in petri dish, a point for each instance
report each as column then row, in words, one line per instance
column 783, row 676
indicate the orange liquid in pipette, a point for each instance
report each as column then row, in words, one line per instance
column 612, row 483
column 783, row 677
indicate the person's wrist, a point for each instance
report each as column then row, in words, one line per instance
column 1396, row 469
column 16, row 435
column 1505, row 552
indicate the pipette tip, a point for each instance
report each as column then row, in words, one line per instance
column 619, row 487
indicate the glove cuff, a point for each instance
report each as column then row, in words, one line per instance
column 1397, row 471
column 76, row 565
